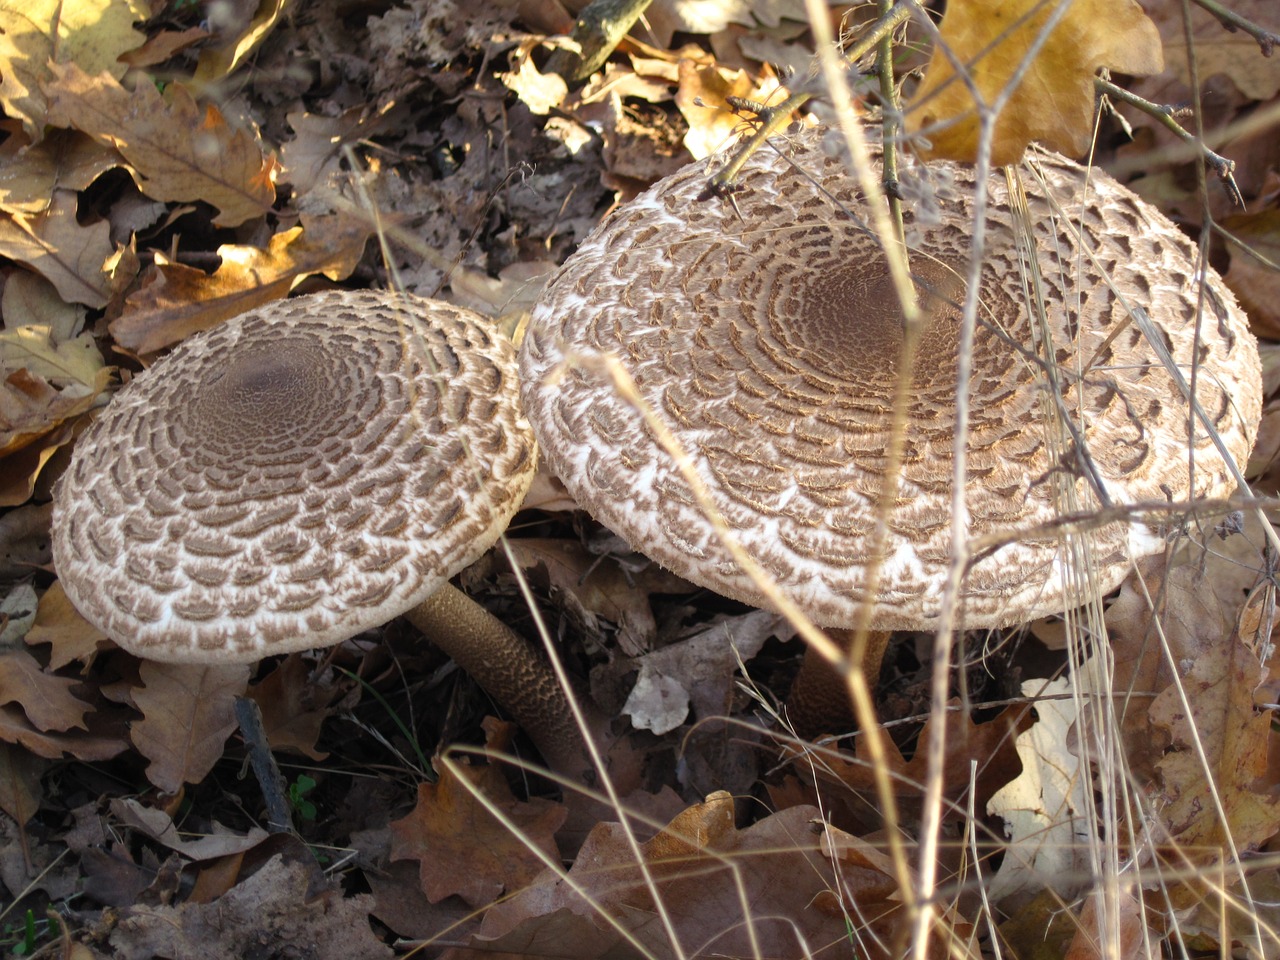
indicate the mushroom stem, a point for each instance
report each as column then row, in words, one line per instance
column 819, row 699
column 509, row 669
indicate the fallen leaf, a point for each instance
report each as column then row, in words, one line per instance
column 1053, row 101
column 176, row 301
column 462, row 849
column 713, row 124
column 53, row 243
column 58, row 623
column 1256, row 284
column 105, row 743
column 218, row 61
column 705, row 872
column 44, row 335
column 592, row 587
column 20, row 790
column 177, row 150
column 45, row 698
column 159, row 826
column 64, row 159
column 1045, row 807
column 990, row 744
column 35, row 34
column 188, row 713
column 294, row 707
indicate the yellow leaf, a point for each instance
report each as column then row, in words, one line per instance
column 701, row 97
column 178, row 151
column 33, row 33
column 1053, row 102
column 43, row 334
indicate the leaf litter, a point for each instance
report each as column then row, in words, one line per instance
column 162, row 173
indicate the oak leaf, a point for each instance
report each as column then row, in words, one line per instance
column 1053, row 100
column 188, row 713
column 45, row 698
column 64, row 159
column 72, row 257
column 59, row 624
column 784, row 870
column 35, row 34
column 177, row 150
column 462, row 848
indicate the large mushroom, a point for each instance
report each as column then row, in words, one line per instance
column 764, row 338
column 304, row 472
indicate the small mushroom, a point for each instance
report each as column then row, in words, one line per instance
column 306, row 471
column 766, row 338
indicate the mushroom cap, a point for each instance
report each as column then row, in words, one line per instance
column 310, row 469
column 768, row 344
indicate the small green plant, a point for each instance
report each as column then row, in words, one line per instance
column 21, row 938
column 298, row 791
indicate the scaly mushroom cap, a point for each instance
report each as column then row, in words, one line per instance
column 768, row 343
column 298, row 474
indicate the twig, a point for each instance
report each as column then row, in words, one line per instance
column 889, row 122
column 270, row 782
column 600, row 27
column 1232, row 22
column 1222, row 167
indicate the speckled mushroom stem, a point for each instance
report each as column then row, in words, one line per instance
column 819, row 699
column 511, row 671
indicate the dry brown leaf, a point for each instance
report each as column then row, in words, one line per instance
column 30, row 409
column 992, row 744
column 72, row 257
column 1054, row 101
column 46, row 699
column 218, row 61
column 188, row 713
column 20, row 790
column 106, row 739
column 293, row 706
column 1257, row 285
column 463, row 850
column 159, row 826
column 540, row 92
column 592, row 587
column 704, row 871
column 1218, row 51
column 64, row 159
column 59, row 624
column 177, row 150
column 713, row 124
column 176, row 301
column 44, row 335
column 37, row 33
column 1235, row 737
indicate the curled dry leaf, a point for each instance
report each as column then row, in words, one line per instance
column 1053, row 101
column 176, row 301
